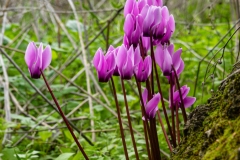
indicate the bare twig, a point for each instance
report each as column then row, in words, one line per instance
column 86, row 66
column 5, row 81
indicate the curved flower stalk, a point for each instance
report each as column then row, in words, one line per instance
column 104, row 65
column 143, row 69
column 151, row 106
column 166, row 59
column 187, row 100
column 127, row 60
column 37, row 59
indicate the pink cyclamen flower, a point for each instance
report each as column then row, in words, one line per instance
column 151, row 107
column 187, row 100
column 133, row 7
column 170, row 28
column 151, row 18
column 143, row 69
column 104, row 65
column 160, row 30
column 127, row 60
column 166, row 59
column 132, row 29
column 37, row 59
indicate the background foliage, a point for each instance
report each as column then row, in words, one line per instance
column 203, row 27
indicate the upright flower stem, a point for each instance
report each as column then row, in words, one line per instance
column 164, row 131
column 154, row 134
column 64, row 118
column 119, row 120
column 153, row 59
column 129, row 120
column 145, row 123
column 154, row 141
column 172, row 111
column 180, row 93
column 160, row 91
column 177, row 124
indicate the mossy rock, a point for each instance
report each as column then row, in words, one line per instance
column 213, row 130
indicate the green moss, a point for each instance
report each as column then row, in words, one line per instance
column 213, row 130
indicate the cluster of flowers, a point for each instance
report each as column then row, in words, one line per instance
column 144, row 19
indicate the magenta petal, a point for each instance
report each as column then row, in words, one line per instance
column 145, row 11
column 128, row 25
column 46, row 57
column 165, row 15
column 149, row 64
column 110, row 48
column 159, row 55
column 128, row 7
column 188, row 101
column 110, row 60
column 150, row 2
column 31, row 54
column 157, row 15
column 167, row 63
column 170, row 29
column 152, row 104
column 152, row 113
column 137, row 56
column 138, row 70
column 121, row 56
column 126, row 41
column 180, row 68
column 145, row 96
column 177, row 58
column 170, row 49
column 158, row 3
column 141, row 4
column 35, row 69
column 127, row 69
column 96, row 58
column 147, row 23
column 184, row 90
column 146, row 43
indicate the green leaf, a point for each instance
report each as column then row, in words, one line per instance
column 44, row 135
column 9, row 154
column 64, row 156
column 68, row 135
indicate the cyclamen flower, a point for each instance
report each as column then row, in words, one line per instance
column 160, row 30
column 132, row 29
column 37, row 59
column 143, row 69
column 187, row 100
column 151, row 107
column 134, row 7
column 104, row 65
column 169, row 30
column 126, row 61
column 151, row 16
column 165, row 58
